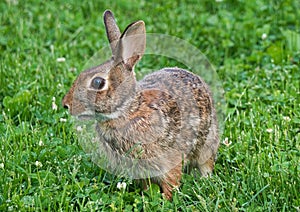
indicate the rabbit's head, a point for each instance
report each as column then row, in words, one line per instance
column 108, row 88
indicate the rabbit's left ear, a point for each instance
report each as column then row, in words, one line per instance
column 112, row 30
column 132, row 44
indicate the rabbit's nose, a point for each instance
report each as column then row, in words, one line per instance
column 66, row 106
column 65, row 102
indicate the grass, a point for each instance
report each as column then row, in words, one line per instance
column 255, row 48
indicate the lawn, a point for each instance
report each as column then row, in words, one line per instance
column 254, row 47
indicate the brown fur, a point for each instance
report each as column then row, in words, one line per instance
column 166, row 119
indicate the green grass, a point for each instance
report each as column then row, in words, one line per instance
column 42, row 167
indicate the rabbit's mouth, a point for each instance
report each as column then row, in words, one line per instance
column 94, row 116
column 85, row 117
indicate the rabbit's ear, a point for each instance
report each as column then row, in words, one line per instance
column 112, row 30
column 132, row 44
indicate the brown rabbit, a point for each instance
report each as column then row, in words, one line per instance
column 153, row 127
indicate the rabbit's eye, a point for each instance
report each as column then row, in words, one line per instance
column 98, row 83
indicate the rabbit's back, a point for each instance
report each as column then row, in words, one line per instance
column 188, row 90
column 198, row 125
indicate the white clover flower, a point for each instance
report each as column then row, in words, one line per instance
column 1, row 165
column 38, row 164
column 62, row 120
column 264, row 36
column 41, row 143
column 79, row 128
column 54, row 106
column 72, row 69
column 61, row 60
column 121, row 185
column 269, row 130
column 286, row 118
column 226, row 143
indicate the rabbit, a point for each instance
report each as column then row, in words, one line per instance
column 169, row 115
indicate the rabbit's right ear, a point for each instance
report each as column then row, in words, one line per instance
column 112, row 30
column 132, row 44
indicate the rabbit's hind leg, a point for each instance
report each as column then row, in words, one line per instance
column 170, row 181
